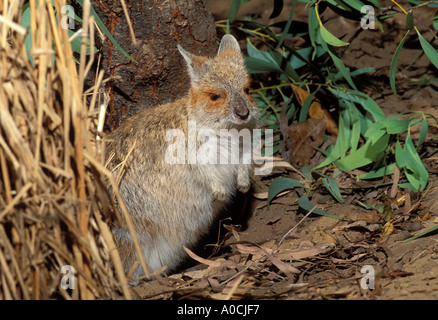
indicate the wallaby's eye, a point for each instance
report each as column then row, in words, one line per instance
column 246, row 90
column 215, row 97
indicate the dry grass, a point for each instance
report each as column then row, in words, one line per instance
column 53, row 206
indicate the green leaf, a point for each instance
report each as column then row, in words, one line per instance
column 330, row 38
column 76, row 43
column 333, row 188
column 234, row 8
column 365, row 155
column 307, row 172
column 379, row 173
column 356, row 4
column 106, row 31
column 314, row 34
column 269, row 61
column 435, row 21
column 401, row 156
column 408, row 159
column 256, row 65
column 394, row 61
column 340, row 5
column 365, row 101
column 409, row 21
column 419, row 176
column 343, row 137
column 362, row 71
column 25, row 22
column 423, row 132
column 342, row 69
column 356, row 125
column 305, row 203
column 375, row 131
column 421, row 234
column 305, row 107
column 285, row 66
column 430, row 51
column 289, row 21
column 253, row 52
column 394, row 126
column 334, row 153
column 280, row 185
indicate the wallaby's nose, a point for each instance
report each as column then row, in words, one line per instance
column 241, row 111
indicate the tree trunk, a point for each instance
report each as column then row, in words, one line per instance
column 160, row 76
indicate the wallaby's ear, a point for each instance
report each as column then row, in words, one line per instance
column 228, row 42
column 189, row 59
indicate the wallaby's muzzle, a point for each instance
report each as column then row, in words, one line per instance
column 241, row 110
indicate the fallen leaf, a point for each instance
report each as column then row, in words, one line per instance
column 371, row 217
column 316, row 111
column 299, row 254
column 360, row 223
column 388, row 229
column 426, row 216
column 231, row 287
column 328, row 237
column 259, row 251
column 219, row 263
column 352, row 259
column 287, row 269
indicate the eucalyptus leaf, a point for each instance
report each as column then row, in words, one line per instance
column 305, row 203
column 435, row 21
column 279, row 185
column 25, row 22
column 409, row 21
column 379, row 173
column 330, row 38
column 332, row 186
column 393, row 67
column 395, row 126
column 341, row 67
column 106, row 31
column 365, row 155
column 422, row 234
column 430, row 51
column 423, row 132
column 356, row 4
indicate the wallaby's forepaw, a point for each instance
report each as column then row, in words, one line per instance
column 243, row 186
column 243, row 180
column 219, row 194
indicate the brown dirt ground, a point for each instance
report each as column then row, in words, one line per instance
column 322, row 257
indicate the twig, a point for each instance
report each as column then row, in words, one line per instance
column 290, row 230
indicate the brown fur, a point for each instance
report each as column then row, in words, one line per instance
column 172, row 205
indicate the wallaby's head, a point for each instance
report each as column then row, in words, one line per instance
column 220, row 87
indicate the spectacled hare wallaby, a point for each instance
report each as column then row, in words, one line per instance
column 173, row 205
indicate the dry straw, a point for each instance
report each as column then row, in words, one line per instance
column 53, row 204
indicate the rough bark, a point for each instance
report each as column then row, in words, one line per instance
column 160, row 76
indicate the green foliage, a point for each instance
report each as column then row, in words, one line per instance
column 106, row 31
column 367, row 139
column 75, row 37
column 279, row 185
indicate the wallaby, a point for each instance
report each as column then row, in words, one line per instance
column 172, row 203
